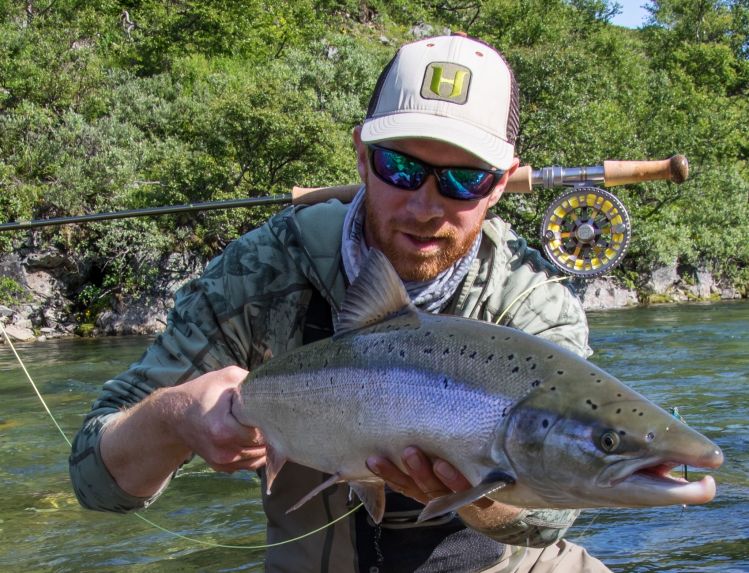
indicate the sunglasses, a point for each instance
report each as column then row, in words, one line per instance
column 406, row 172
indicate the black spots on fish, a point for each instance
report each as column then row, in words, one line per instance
column 560, row 372
column 634, row 411
column 536, row 383
column 472, row 354
column 494, row 337
column 511, row 357
column 553, row 388
column 325, row 364
column 445, row 352
column 504, row 412
column 622, row 433
column 428, row 333
column 428, row 350
column 451, row 335
column 593, row 405
column 618, row 410
column 618, row 395
column 508, row 338
column 533, row 366
column 331, row 381
column 516, row 369
column 550, row 357
column 402, row 353
column 391, row 347
column 445, row 383
column 489, row 359
column 463, row 349
column 545, row 423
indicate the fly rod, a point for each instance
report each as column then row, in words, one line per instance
column 611, row 173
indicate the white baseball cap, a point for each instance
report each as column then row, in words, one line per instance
column 450, row 88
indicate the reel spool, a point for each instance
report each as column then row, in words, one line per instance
column 586, row 231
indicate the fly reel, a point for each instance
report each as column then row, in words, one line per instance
column 586, row 231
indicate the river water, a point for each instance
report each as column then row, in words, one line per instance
column 695, row 357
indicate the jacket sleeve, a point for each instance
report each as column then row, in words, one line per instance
column 535, row 528
column 210, row 327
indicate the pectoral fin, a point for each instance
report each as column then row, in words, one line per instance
column 455, row 501
column 372, row 494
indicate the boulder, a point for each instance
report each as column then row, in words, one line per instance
column 663, row 279
column 19, row 334
column 604, row 293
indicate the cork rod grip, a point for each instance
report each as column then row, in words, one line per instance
column 313, row 195
column 521, row 181
column 674, row 169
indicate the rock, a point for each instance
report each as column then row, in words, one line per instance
column 49, row 259
column 145, row 316
column 43, row 284
column 705, row 283
column 5, row 311
column 19, row 334
column 421, row 30
column 603, row 293
column 662, row 279
column 10, row 266
column 23, row 323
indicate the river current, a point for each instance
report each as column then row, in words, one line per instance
column 694, row 357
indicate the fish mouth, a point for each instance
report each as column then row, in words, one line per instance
column 655, row 484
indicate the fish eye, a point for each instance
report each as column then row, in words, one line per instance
column 610, row 440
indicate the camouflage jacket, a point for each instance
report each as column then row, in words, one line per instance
column 255, row 297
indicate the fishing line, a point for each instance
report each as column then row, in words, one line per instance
column 145, row 519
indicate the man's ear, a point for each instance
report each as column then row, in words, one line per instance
column 362, row 163
column 500, row 188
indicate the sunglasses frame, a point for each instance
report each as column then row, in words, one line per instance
column 435, row 170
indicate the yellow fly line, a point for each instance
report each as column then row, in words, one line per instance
column 141, row 517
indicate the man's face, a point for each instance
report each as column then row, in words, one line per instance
column 421, row 232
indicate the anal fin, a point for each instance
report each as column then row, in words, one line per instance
column 332, row 480
column 371, row 492
column 455, row 501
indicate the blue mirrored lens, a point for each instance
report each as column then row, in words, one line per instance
column 398, row 169
column 465, row 184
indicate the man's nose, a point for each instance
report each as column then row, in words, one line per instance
column 426, row 203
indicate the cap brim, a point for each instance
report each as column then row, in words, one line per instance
column 495, row 151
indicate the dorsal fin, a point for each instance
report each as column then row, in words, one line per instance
column 377, row 293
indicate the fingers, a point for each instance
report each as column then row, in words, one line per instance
column 423, row 474
column 425, row 480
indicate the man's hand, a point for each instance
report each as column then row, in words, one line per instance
column 429, row 479
column 145, row 444
column 203, row 420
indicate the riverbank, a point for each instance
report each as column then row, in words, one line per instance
column 39, row 288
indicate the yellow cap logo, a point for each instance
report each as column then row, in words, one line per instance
column 447, row 82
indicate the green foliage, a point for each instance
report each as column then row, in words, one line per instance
column 12, row 293
column 123, row 104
